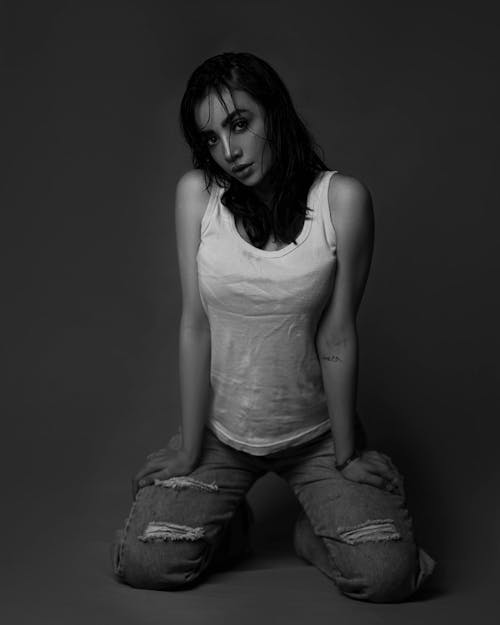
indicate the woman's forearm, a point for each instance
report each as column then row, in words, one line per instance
column 194, row 373
column 339, row 366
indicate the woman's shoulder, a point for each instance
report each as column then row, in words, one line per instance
column 191, row 201
column 347, row 194
column 345, row 187
column 192, row 184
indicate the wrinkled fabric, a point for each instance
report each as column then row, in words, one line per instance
column 359, row 536
column 264, row 308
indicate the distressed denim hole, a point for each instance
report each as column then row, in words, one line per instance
column 186, row 482
column 160, row 531
column 378, row 530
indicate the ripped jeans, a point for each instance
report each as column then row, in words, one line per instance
column 360, row 536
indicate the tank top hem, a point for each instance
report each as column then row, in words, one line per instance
column 269, row 447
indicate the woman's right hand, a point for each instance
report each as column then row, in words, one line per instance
column 375, row 469
column 161, row 465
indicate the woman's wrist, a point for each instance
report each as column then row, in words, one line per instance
column 342, row 465
column 191, row 456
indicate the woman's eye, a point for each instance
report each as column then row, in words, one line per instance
column 240, row 124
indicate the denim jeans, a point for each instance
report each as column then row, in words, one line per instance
column 360, row 536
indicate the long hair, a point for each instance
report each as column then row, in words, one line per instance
column 295, row 162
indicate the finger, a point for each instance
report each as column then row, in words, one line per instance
column 138, row 479
column 389, row 484
column 149, row 480
column 385, row 466
column 372, row 454
column 145, row 481
column 382, row 469
column 156, row 454
column 150, row 467
column 389, row 461
column 397, row 476
column 138, row 483
column 372, row 479
column 393, row 482
column 375, row 461
column 376, row 456
column 136, row 487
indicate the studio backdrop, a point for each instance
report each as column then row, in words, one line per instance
column 402, row 98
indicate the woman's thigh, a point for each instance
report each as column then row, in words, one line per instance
column 367, row 532
column 174, row 527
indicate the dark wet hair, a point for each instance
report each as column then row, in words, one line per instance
column 295, row 162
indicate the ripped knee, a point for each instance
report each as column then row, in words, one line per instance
column 160, row 531
column 161, row 552
column 390, row 577
column 165, row 556
column 183, row 481
column 378, row 530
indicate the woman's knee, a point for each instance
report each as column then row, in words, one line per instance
column 388, row 577
column 155, row 550
column 164, row 557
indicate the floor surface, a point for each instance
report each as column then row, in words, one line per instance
column 73, row 586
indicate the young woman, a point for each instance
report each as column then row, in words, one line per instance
column 274, row 252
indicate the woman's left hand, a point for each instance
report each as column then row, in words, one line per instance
column 375, row 469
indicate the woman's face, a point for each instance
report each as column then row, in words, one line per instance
column 235, row 136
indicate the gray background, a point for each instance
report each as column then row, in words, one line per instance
column 400, row 96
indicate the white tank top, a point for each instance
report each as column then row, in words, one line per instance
column 263, row 308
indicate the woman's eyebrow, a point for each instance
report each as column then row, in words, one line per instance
column 233, row 114
column 228, row 119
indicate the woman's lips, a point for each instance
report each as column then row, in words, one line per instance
column 242, row 171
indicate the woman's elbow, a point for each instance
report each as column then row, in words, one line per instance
column 337, row 337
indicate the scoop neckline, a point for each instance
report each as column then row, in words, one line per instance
column 304, row 233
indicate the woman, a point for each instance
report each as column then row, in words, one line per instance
column 274, row 253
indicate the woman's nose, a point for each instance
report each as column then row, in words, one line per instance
column 231, row 151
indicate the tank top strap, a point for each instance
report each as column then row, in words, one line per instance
column 319, row 189
column 321, row 206
column 323, row 188
column 213, row 201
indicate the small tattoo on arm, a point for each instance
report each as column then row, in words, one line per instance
column 331, row 357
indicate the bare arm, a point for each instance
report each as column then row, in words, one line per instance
column 336, row 339
column 194, row 329
column 194, row 339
